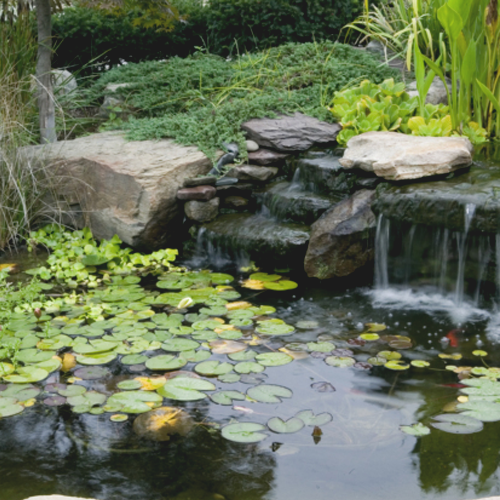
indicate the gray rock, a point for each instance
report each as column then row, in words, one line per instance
column 111, row 105
column 63, row 81
column 267, row 157
column 397, row 157
column 235, row 202
column 437, row 92
column 124, row 188
column 342, row 238
column 200, row 181
column 204, row 193
column 117, row 87
column 252, row 146
column 56, row 497
column 202, row 211
column 291, row 133
column 252, row 173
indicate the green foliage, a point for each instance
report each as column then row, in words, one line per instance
column 387, row 107
column 203, row 99
column 76, row 258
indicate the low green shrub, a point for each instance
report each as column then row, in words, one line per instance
column 203, row 99
column 370, row 107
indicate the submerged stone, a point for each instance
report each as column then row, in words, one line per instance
column 291, row 133
column 252, row 173
column 267, row 157
column 398, row 157
column 342, row 239
column 200, row 181
column 202, row 211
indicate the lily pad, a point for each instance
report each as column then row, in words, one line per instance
column 397, row 365
column 321, row 346
column 195, row 356
column 129, row 385
column 289, row 426
column 185, row 389
column 229, row 378
column 221, row 278
column 270, row 328
column 311, row 420
column 27, row 375
column 29, row 356
column 269, row 393
column 244, row 432
column 91, row 373
column 419, row 363
column 417, row 430
column 178, row 345
column 273, row 359
column 96, row 359
column 9, row 408
column 246, row 355
column 162, row 423
column 133, row 401
column 213, row 368
column 340, row 361
column 134, row 359
column 369, row 337
column 248, row 367
column 118, row 417
column 54, row 400
column 165, row 362
column 226, row 398
column 485, row 411
column 481, row 387
column 280, row 286
column 457, row 424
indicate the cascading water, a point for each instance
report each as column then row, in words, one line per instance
column 436, row 268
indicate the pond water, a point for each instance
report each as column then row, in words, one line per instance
column 360, row 454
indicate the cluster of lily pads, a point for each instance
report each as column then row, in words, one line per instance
column 155, row 332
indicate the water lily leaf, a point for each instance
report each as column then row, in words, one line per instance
column 246, row 355
column 311, row 420
column 213, row 368
column 195, row 356
column 417, row 430
column 178, row 345
column 9, row 408
column 27, row 375
column 340, row 361
column 389, row 355
column 133, row 401
column 226, row 398
column 273, row 359
column 307, row 324
column 419, row 363
column 457, row 424
column 262, row 310
column 175, row 283
column 6, row 369
column 267, row 393
column 165, row 362
column 129, row 385
column 280, row 286
column 162, row 423
column 181, row 330
column 134, row 359
column 151, row 383
column 248, row 367
column 454, row 357
column 485, row 411
column 54, row 401
column 221, row 278
column 480, row 353
column 399, row 342
column 95, row 347
column 271, row 328
column 72, row 390
column 94, row 260
column 29, row 356
column 289, row 426
column 118, row 417
column 96, row 359
column 91, row 373
column 240, row 314
column 229, row 334
column 481, row 387
column 375, row 327
column 265, row 277
column 397, row 365
column 369, row 337
column 377, row 361
column 244, row 432
column 214, row 311
column 207, row 324
column 323, row 387
column 185, row 389
column 229, row 378
column 253, row 284
column 321, row 346
column 226, row 346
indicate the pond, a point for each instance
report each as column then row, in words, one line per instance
column 326, row 371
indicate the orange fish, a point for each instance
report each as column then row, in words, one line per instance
column 452, row 336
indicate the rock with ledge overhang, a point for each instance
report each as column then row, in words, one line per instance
column 252, row 173
column 399, row 157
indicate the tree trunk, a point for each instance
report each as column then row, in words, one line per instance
column 46, row 106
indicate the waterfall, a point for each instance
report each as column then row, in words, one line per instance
column 382, row 252
column 461, row 238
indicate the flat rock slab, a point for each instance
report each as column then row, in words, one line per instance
column 291, row 133
column 267, row 157
column 125, row 188
column 342, row 238
column 56, row 497
column 398, row 157
column 472, row 198
column 252, row 173
column 197, row 193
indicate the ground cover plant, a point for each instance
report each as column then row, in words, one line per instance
column 133, row 333
column 203, row 99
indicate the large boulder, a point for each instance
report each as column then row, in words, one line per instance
column 398, row 157
column 291, row 133
column 437, row 93
column 125, row 188
column 342, row 238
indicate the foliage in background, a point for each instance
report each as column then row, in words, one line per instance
column 89, row 40
column 220, row 95
column 387, row 107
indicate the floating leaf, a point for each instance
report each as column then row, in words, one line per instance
column 457, row 424
column 129, row 385
column 340, row 361
column 270, row 328
column 6, row 369
column 27, row 375
column 375, row 327
column 265, row 277
column 273, row 359
column 94, row 260
column 133, row 401
column 269, row 393
column 226, row 346
column 178, row 345
column 9, row 407
column 185, row 389
column 118, row 417
column 389, row 355
column 417, row 430
column 213, row 368
column 244, row 432
column 481, row 387
column 280, row 286
column 321, row 346
column 418, row 363
column 307, row 324
column 72, row 390
column 485, row 411
column 195, row 356
column 309, row 419
column 221, row 278
column 54, row 401
column 229, row 378
column 226, row 398
column 369, row 337
column 91, row 373
column 247, row 355
column 377, row 361
column 454, row 357
column 248, row 367
column 399, row 342
column 134, row 359
column 397, row 365
column 163, row 422
column 29, row 356
column 480, row 353
column 165, row 362
column 289, row 426
column 96, row 359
